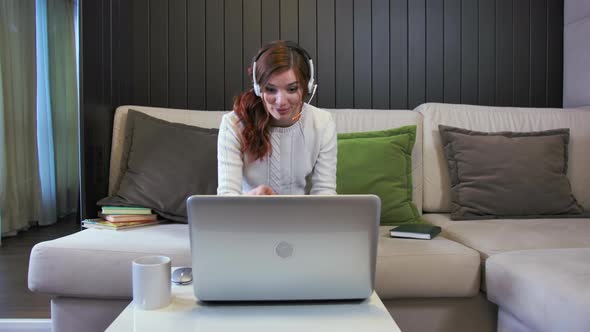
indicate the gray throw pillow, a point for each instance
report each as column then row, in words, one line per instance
column 508, row 174
column 163, row 164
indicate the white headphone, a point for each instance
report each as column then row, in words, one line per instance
column 311, row 87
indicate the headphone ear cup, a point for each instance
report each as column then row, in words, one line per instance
column 256, row 89
column 254, row 83
column 310, row 84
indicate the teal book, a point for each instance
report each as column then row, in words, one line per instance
column 415, row 231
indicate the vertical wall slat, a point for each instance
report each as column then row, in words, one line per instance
column 555, row 53
column 140, row 90
column 416, row 52
column 362, row 53
column 308, row 26
column 91, row 47
column 196, row 55
column 177, row 53
column 504, row 53
column 122, row 64
column 159, row 52
column 344, row 54
column 97, row 111
column 522, row 53
column 117, row 62
column 106, row 54
column 233, row 51
column 434, row 50
column 398, row 34
column 289, row 20
column 452, row 51
column 326, row 75
column 487, row 52
column 538, row 52
column 270, row 12
column 308, row 30
column 214, row 52
column 380, row 53
column 251, row 35
column 469, row 52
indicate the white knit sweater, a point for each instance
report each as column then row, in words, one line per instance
column 303, row 158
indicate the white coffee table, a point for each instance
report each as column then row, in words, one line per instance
column 186, row 314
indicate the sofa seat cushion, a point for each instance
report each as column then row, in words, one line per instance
column 495, row 236
column 408, row 268
column 546, row 289
column 97, row 263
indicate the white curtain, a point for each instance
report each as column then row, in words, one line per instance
column 19, row 204
column 57, row 109
column 46, row 157
column 64, row 102
column 38, row 113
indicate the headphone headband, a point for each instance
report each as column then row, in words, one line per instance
column 293, row 46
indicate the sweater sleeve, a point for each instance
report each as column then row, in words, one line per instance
column 229, row 158
column 323, row 180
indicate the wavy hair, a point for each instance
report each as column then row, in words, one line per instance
column 275, row 57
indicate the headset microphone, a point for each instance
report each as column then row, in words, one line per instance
column 296, row 117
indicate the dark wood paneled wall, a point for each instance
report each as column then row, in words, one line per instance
column 389, row 54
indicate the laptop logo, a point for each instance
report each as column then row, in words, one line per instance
column 284, row 249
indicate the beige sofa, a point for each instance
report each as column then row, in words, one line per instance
column 438, row 285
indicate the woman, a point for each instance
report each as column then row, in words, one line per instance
column 272, row 142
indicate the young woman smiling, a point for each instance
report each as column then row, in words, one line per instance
column 273, row 142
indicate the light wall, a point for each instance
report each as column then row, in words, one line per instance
column 576, row 52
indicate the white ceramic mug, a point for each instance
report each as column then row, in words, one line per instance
column 151, row 282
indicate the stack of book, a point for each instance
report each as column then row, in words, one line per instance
column 122, row 217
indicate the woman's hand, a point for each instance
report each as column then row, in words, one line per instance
column 261, row 190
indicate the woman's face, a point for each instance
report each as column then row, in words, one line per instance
column 282, row 97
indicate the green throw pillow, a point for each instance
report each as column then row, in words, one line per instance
column 380, row 163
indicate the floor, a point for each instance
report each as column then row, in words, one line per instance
column 16, row 300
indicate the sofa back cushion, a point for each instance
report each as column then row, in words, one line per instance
column 499, row 174
column 347, row 121
column 437, row 188
column 380, row 163
column 361, row 120
column 163, row 164
column 204, row 119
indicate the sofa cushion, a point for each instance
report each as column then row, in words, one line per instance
column 380, row 163
column 499, row 174
column 204, row 119
column 360, row 120
column 408, row 268
column 437, row 188
column 547, row 290
column 97, row 263
column 494, row 236
column 163, row 163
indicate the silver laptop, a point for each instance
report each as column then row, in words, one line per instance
column 274, row 248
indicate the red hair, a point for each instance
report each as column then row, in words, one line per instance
column 275, row 57
column 256, row 133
